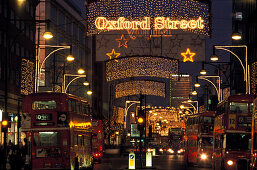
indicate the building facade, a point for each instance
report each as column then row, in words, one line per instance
column 245, row 22
column 17, row 52
column 68, row 25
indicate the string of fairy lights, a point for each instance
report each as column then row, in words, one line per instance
column 27, row 77
column 140, row 87
column 138, row 9
column 140, row 66
column 254, row 78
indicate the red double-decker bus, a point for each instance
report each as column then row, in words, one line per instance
column 198, row 139
column 232, row 133
column 254, row 137
column 97, row 140
column 58, row 127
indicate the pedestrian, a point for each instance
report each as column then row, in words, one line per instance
column 2, row 157
column 24, row 153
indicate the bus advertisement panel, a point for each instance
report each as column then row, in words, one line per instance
column 232, row 132
column 198, row 139
column 58, row 127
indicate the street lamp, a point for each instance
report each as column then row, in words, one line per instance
column 48, row 35
column 236, row 36
column 38, row 69
column 76, row 76
column 218, row 89
column 81, row 71
column 245, row 67
column 127, row 108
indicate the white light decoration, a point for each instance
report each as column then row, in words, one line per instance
column 27, row 77
column 141, row 66
column 188, row 15
column 140, row 87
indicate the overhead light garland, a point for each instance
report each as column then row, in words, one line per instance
column 141, row 66
column 140, row 87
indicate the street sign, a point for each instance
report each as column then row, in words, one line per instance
column 132, row 160
column 148, row 159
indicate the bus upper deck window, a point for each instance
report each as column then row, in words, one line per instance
column 238, row 107
column 44, row 105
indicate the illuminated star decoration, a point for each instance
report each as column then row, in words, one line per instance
column 122, row 41
column 188, row 56
column 116, row 55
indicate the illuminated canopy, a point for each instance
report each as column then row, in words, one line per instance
column 140, row 87
column 141, row 66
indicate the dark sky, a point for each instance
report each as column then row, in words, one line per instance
column 221, row 35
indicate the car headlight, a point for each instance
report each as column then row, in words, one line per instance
column 161, row 150
column 230, row 162
column 170, row 150
column 203, row 156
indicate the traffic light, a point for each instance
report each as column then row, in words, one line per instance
column 5, row 125
column 140, row 123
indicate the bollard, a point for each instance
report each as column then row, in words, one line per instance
column 132, row 160
column 148, row 159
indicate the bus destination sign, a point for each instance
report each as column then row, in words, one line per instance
column 44, row 117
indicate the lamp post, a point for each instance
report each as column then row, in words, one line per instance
column 245, row 67
column 192, row 101
column 126, row 110
column 218, row 89
column 39, row 68
column 76, row 76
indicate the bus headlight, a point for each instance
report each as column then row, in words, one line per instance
column 230, row 163
column 203, row 156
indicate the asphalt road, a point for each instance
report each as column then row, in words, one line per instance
column 160, row 162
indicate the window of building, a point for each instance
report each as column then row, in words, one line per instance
column 61, row 20
column 75, row 31
column 68, row 25
column 53, row 13
column 81, row 37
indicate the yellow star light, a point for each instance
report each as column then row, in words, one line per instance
column 122, row 41
column 188, row 56
column 116, row 55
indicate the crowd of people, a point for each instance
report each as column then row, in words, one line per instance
column 15, row 156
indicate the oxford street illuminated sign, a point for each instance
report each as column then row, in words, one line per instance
column 102, row 23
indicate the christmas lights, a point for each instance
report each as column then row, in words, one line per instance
column 143, row 14
column 27, row 77
column 122, row 41
column 141, row 66
column 113, row 54
column 140, row 87
column 188, row 56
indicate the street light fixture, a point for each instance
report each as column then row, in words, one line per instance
column 76, row 76
column 39, row 68
column 48, row 35
column 194, row 93
column 86, row 83
column 89, row 92
column 236, row 36
column 218, row 89
column 214, row 57
column 81, row 71
column 245, row 67
column 70, row 58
